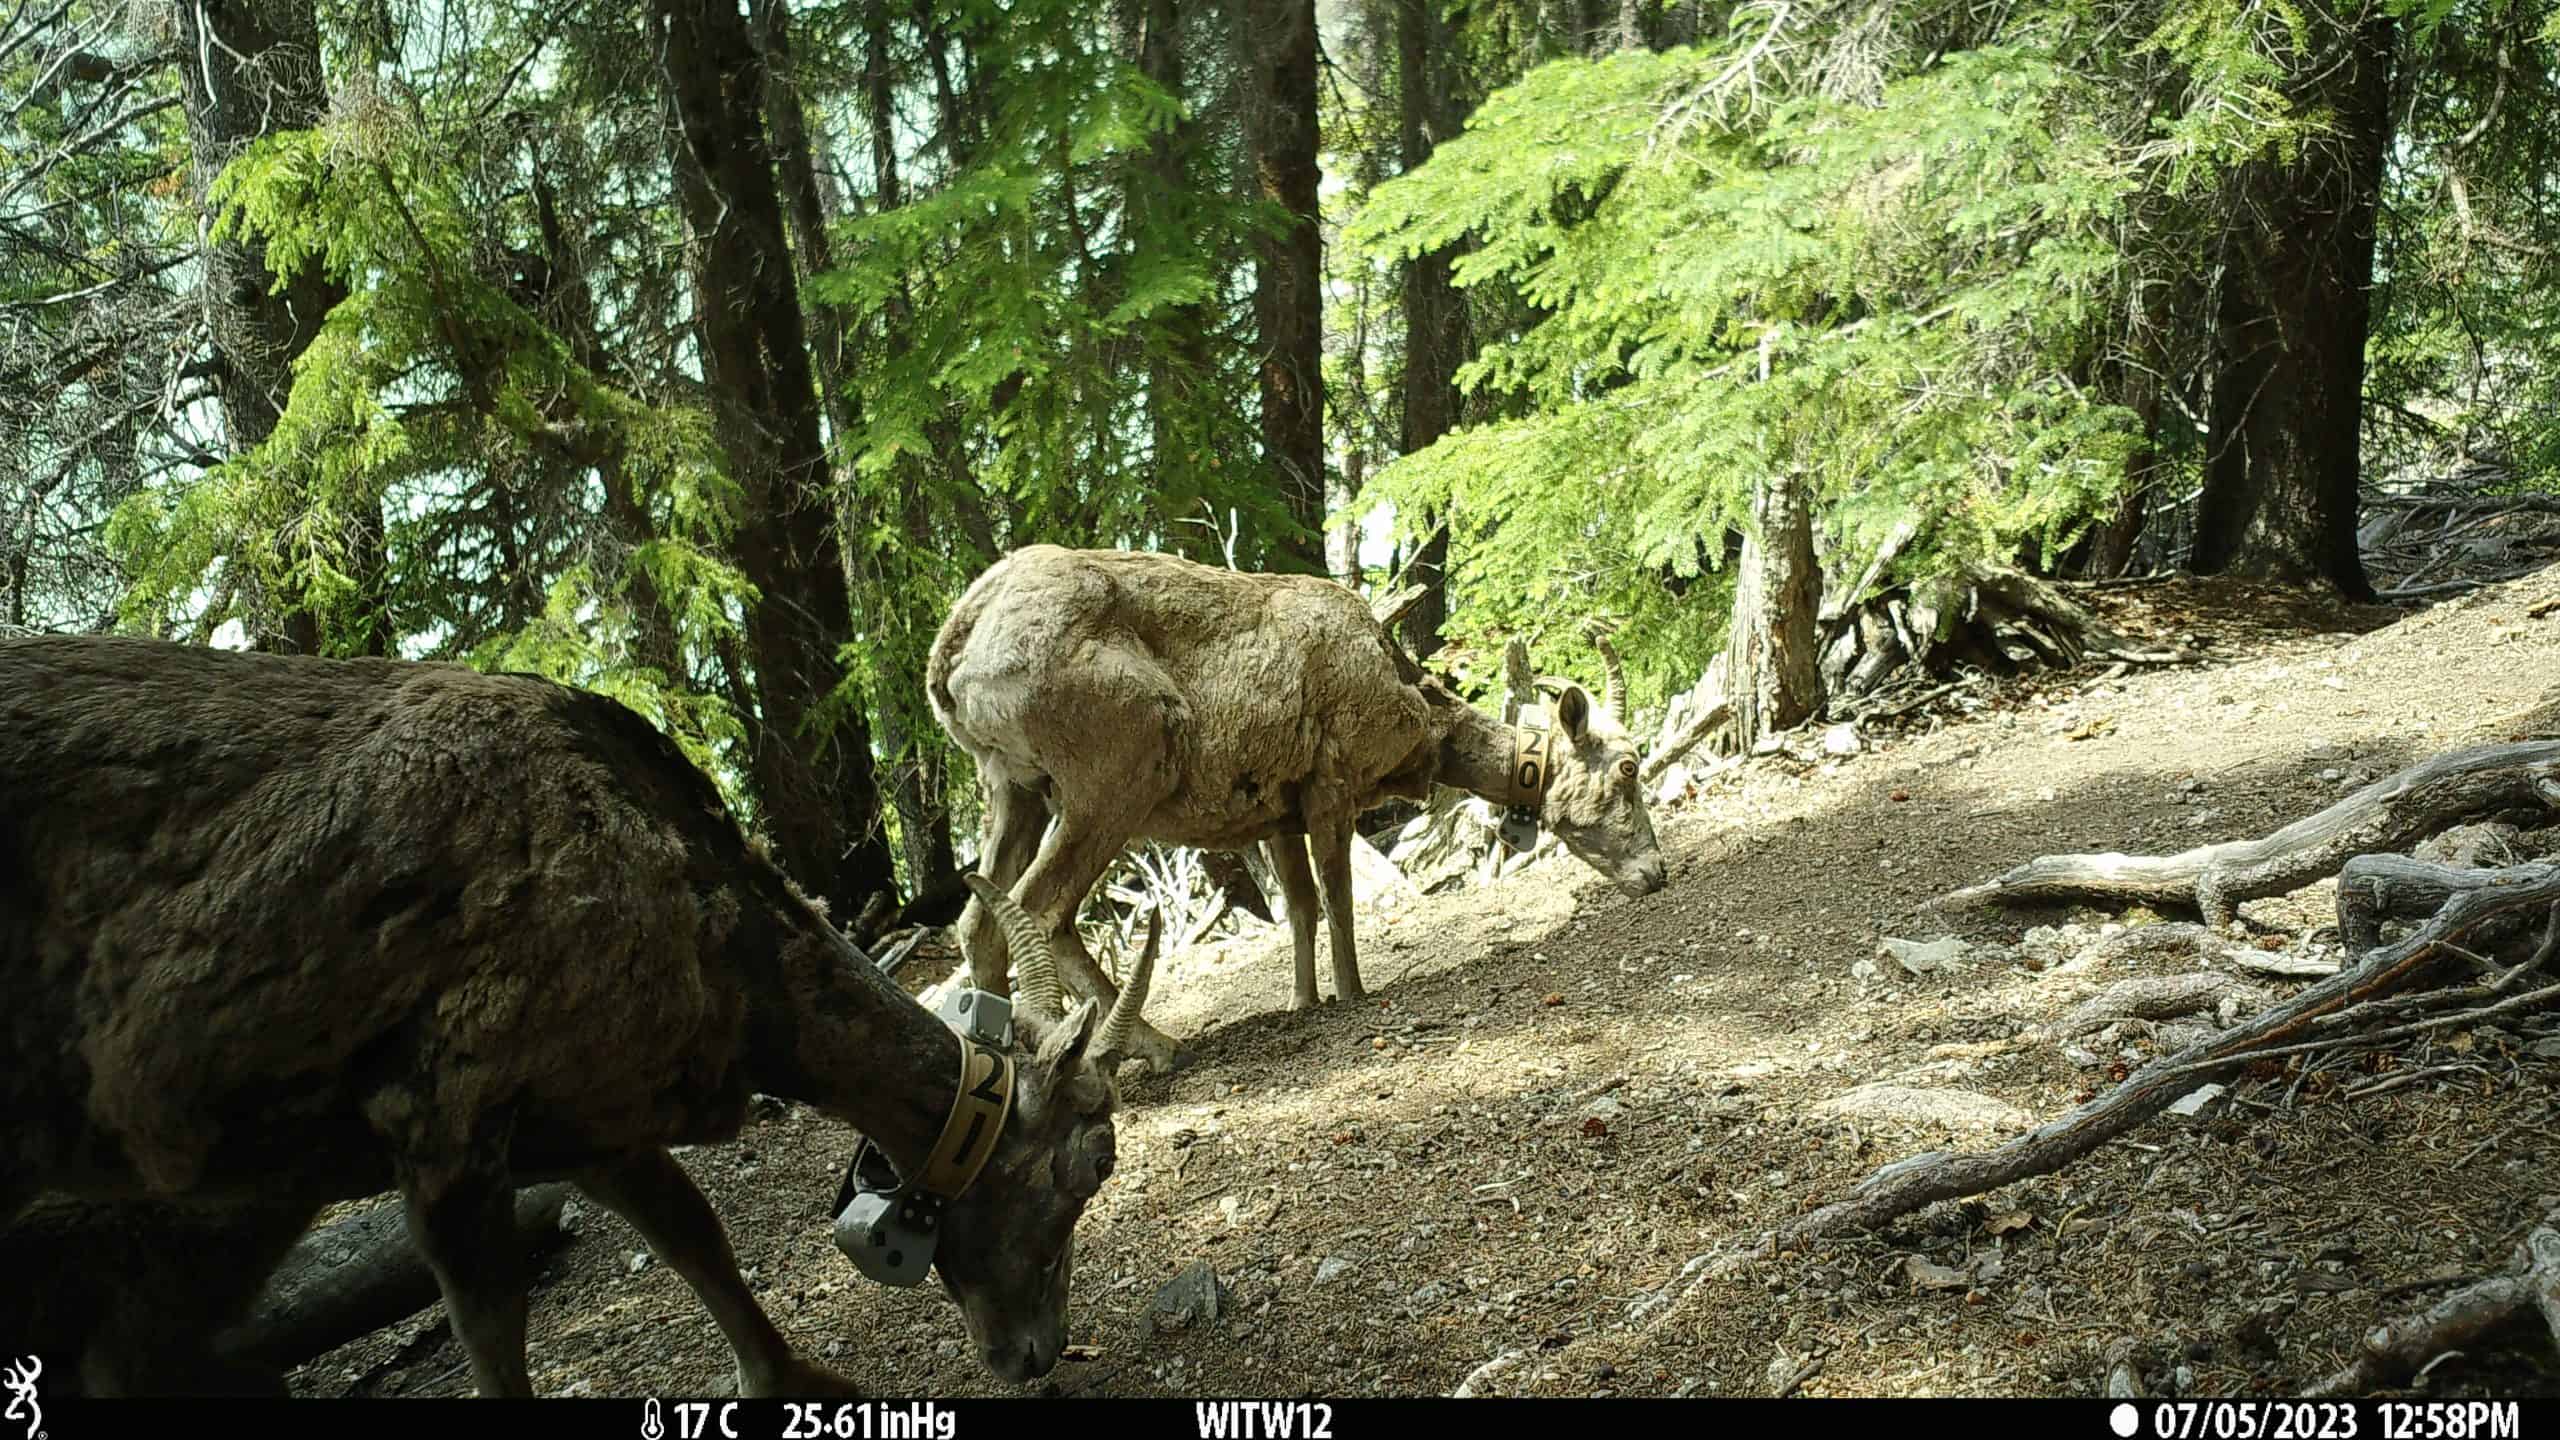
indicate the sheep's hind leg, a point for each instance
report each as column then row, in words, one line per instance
column 1298, row 889
column 464, row 1222
column 651, row 1190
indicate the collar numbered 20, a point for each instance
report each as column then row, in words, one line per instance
column 1533, row 770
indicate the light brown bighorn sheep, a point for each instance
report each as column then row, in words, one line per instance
column 1129, row 695
column 277, row 931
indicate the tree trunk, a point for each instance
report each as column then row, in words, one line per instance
column 2108, row 549
column 2279, row 498
column 572, row 311
column 1437, row 341
column 1288, row 289
column 1183, row 455
column 1772, row 650
column 248, row 70
column 814, row 785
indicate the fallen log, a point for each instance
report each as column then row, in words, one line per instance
column 1909, row 1184
column 2390, row 814
column 356, row 1275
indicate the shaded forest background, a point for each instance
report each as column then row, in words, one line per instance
column 701, row 353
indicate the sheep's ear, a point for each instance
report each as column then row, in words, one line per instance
column 1573, row 711
column 1067, row 1038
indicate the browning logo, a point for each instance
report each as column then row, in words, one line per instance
column 20, row 1381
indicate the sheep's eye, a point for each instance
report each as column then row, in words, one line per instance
column 1626, row 769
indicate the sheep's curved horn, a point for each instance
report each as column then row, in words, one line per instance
column 1614, row 686
column 1114, row 1034
column 1038, row 990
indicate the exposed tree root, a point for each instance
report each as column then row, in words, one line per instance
column 2479, row 1313
column 2390, row 814
column 355, row 1275
column 1907, row 1185
column 2395, row 1351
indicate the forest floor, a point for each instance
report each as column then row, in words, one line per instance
column 1556, row 1096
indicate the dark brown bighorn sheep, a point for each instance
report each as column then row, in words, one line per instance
column 1128, row 695
column 277, row 931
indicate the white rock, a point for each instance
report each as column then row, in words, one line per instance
column 1842, row 740
column 1955, row 1109
column 2194, row 1101
column 1920, row 957
column 1675, row 783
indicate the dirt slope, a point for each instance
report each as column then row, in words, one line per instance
column 1557, row 1096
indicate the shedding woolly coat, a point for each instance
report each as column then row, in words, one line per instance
column 1274, row 698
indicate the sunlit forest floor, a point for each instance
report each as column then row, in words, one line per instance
column 1557, row 1096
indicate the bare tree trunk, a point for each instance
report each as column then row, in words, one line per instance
column 572, row 311
column 248, row 69
column 1772, row 651
column 1288, row 290
column 818, row 797
column 2281, row 481
column 1158, row 195
column 1437, row 336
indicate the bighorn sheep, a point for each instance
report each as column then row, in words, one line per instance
column 277, row 931
column 1130, row 695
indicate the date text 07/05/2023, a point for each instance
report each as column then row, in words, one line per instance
column 2319, row 1420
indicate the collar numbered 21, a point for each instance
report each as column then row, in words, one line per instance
column 888, row 1226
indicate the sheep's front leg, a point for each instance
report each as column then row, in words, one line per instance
column 1007, row 841
column 1331, row 842
column 1071, row 861
column 1298, row 889
column 651, row 1190
column 464, row 1222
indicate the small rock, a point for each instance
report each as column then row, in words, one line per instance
column 638, row 1262
column 1331, row 1268
column 1604, row 1108
column 2471, row 847
column 1842, row 740
column 2333, row 776
column 1929, row 1275
column 1188, row 1298
column 1866, row 970
column 1428, row 1296
column 1552, row 999
column 1674, row 784
column 2049, row 943
column 1920, row 957
column 2193, row 1102
column 1955, row 1109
